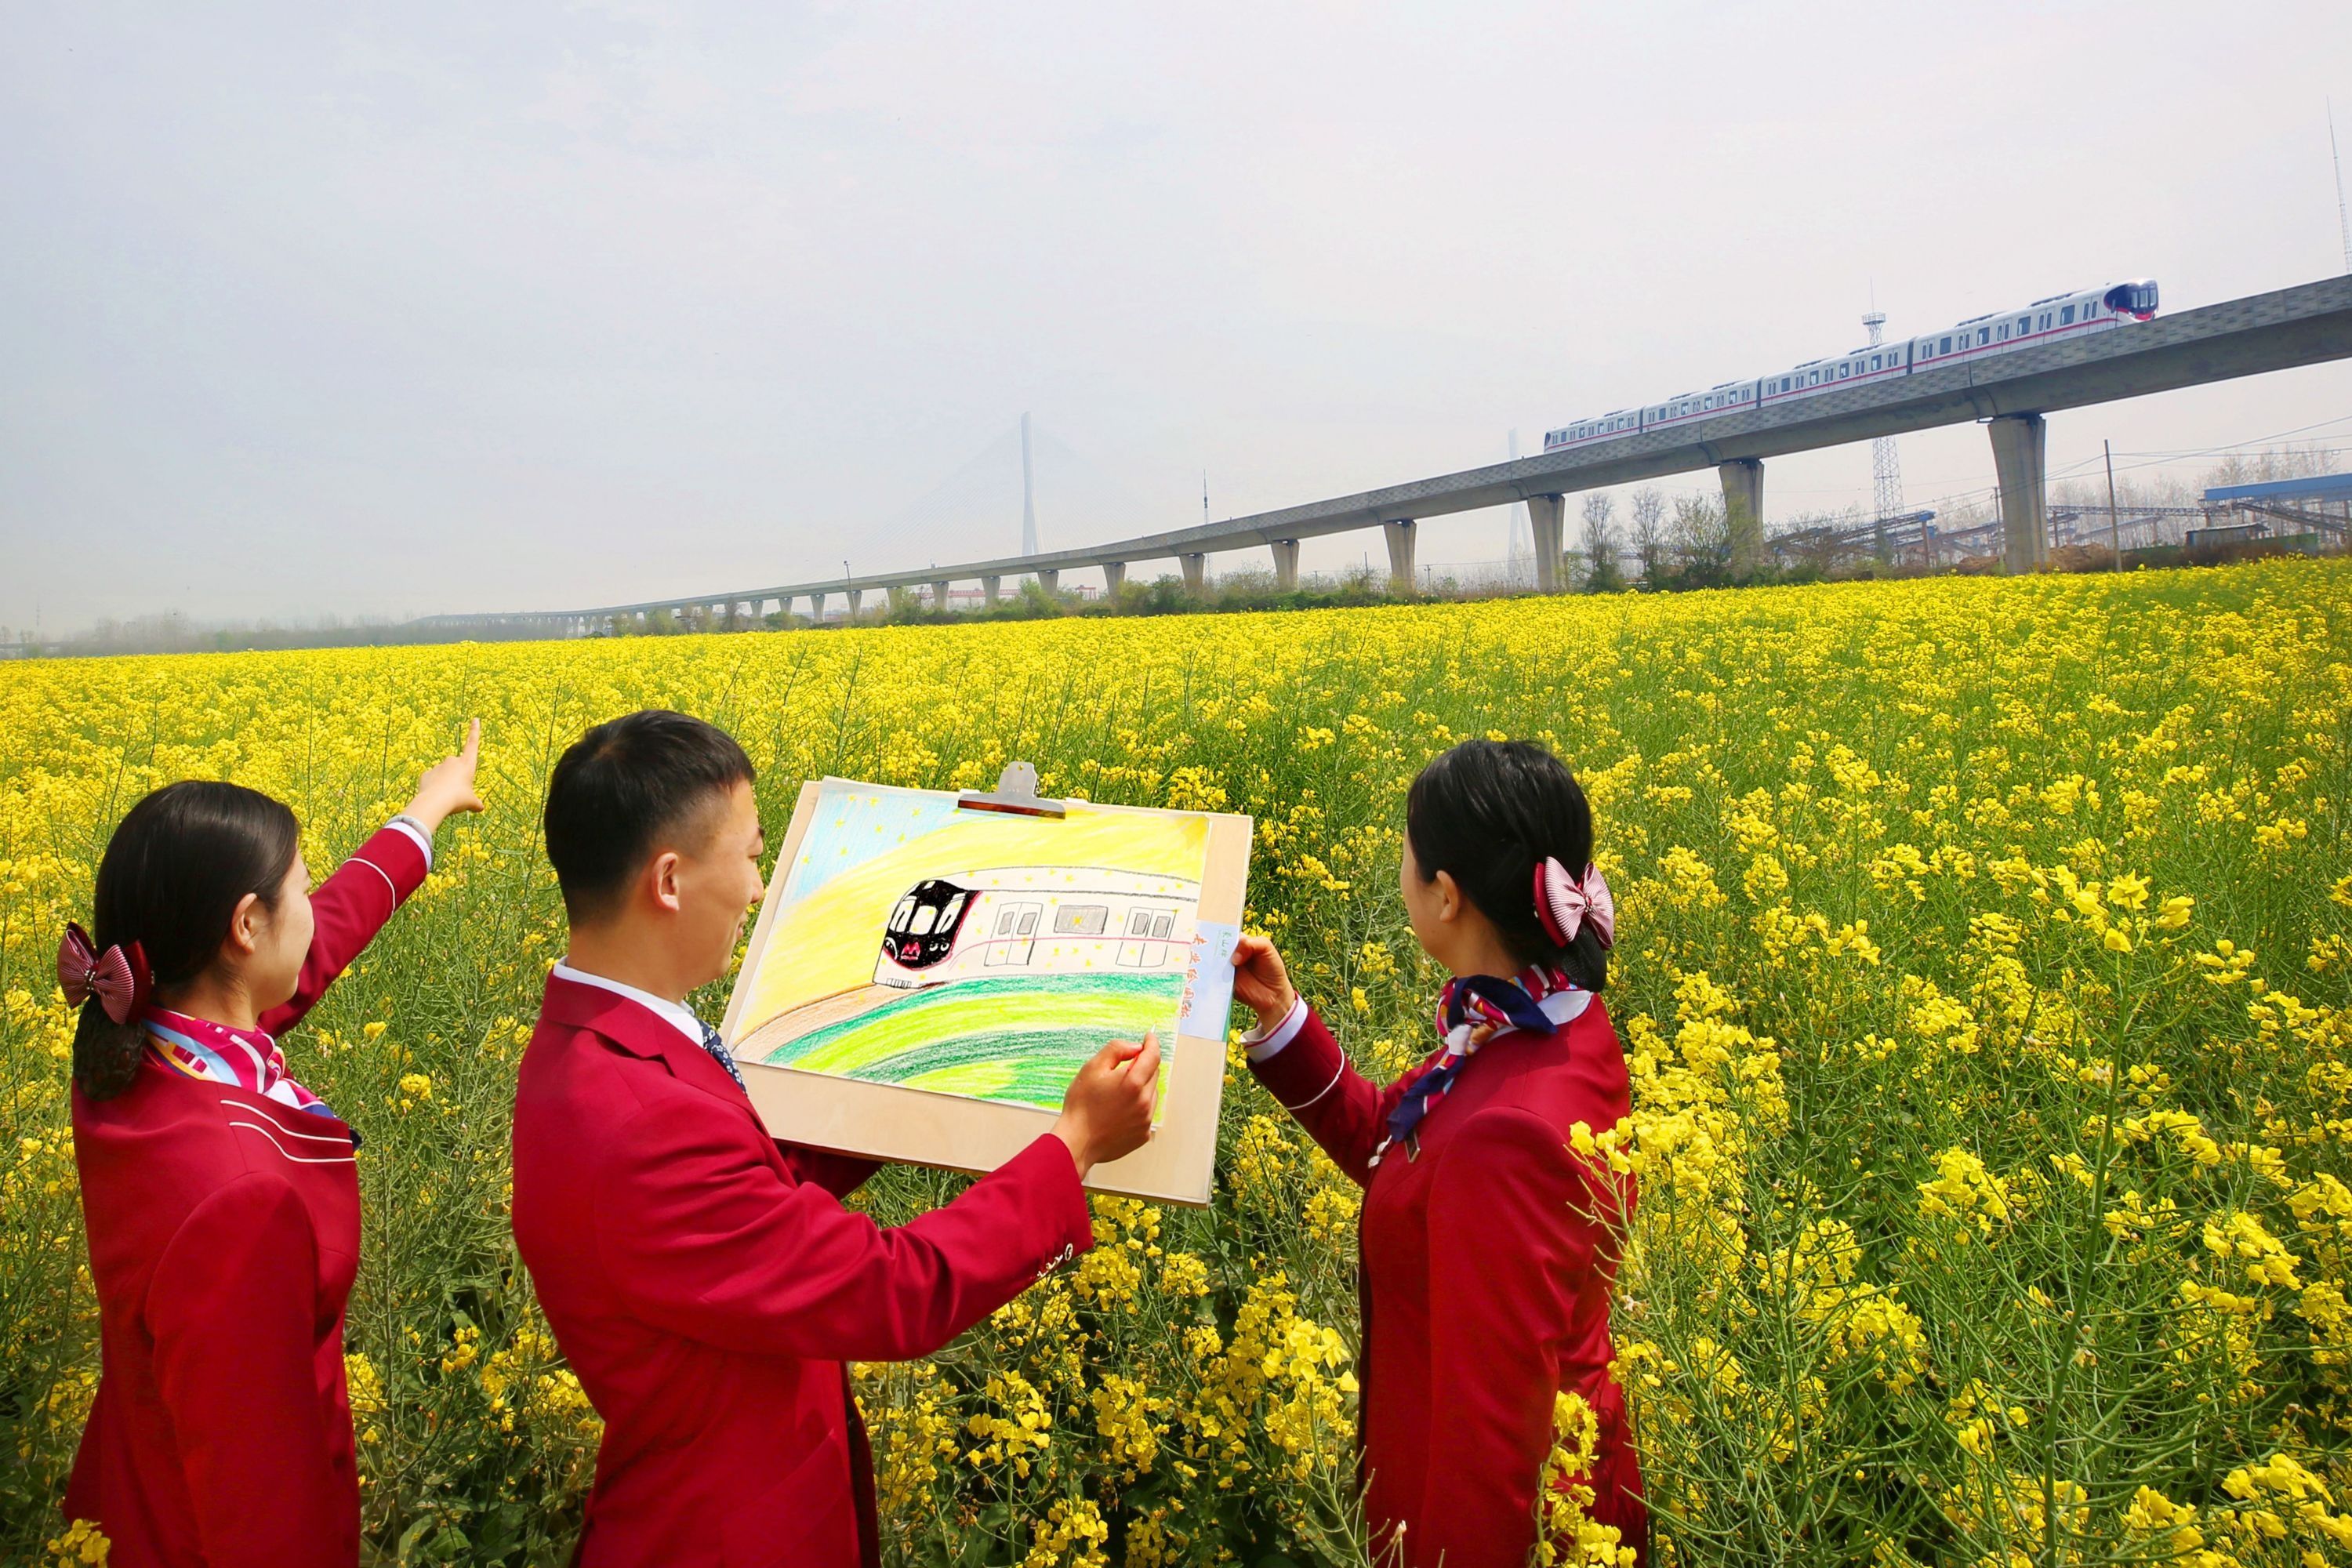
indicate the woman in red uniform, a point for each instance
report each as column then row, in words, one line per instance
column 220, row 1196
column 1487, row 1245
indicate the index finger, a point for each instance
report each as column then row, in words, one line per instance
column 473, row 738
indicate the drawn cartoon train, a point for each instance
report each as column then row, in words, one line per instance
column 1035, row 920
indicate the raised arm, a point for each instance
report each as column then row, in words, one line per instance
column 350, row 907
column 709, row 1241
column 1304, row 1069
column 1295, row 1057
column 230, row 1310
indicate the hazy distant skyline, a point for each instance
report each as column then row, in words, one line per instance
column 444, row 308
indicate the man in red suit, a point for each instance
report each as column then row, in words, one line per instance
column 704, row 1280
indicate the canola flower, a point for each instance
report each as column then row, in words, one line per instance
column 1987, row 977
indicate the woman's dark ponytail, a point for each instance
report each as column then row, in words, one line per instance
column 105, row 1053
column 1489, row 811
column 171, row 880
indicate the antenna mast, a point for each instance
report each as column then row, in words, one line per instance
column 2343, row 223
column 1886, row 464
column 1028, row 496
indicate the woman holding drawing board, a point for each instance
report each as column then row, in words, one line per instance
column 704, row 1280
column 1488, row 1246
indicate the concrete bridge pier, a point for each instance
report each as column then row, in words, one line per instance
column 938, row 598
column 988, row 587
column 1285, row 565
column 816, row 607
column 1743, row 510
column 2020, row 446
column 1049, row 578
column 1399, row 532
column 1547, row 519
column 855, row 595
column 1196, row 572
column 1114, row 577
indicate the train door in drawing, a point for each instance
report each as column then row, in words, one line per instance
column 1143, row 940
column 1015, row 933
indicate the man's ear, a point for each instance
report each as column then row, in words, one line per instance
column 245, row 925
column 661, row 874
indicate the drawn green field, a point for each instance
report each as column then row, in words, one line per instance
column 1017, row 1038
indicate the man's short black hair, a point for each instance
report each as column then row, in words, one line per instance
column 621, row 787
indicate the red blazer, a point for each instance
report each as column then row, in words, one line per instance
column 706, row 1285
column 223, row 1232
column 1486, row 1265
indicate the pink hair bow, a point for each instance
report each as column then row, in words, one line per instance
column 1563, row 903
column 117, row 977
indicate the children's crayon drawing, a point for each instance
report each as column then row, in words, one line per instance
column 918, row 943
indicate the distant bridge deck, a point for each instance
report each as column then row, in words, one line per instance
column 2307, row 324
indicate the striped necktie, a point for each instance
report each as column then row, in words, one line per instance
column 722, row 1056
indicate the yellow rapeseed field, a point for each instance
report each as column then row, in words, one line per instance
column 1985, row 962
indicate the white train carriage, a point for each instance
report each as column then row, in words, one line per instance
column 2045, row 320
column 1624, row 421
column 1035, row 919
column 1857, row 368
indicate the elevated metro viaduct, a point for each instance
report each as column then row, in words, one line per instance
column 2010, row 393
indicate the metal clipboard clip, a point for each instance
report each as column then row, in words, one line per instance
column 1015, row 794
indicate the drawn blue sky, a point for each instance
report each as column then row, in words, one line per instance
column 855, row 823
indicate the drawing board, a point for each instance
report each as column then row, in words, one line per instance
column 925, row 978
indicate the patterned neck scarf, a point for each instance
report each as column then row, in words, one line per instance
column 1471, row 1010
column 248, row 1060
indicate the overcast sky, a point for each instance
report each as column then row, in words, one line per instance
column 471, row 307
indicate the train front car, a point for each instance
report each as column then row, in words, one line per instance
column 2053, row 319
column 921, row 932
column 2135, row 299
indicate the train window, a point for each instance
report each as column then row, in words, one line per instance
column 2066, row 316
column 1946, row 348
column 898, row 916
column 1160, row 927
column 1984, row 336
column 955, row 908
column 1874, row 361
column 1028, row 924
column 1844, row 370
column 1081, row 919
column 1005, row 923
column 920, row 924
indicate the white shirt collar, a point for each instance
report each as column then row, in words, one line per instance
column 1566, row 1006
column 678, row 1013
